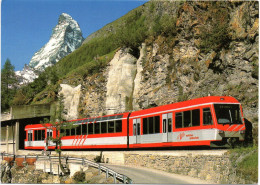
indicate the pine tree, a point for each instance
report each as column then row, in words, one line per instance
column 8, row 85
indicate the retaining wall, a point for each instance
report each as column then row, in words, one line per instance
column 212, row 168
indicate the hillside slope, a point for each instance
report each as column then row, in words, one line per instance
column 168, row 51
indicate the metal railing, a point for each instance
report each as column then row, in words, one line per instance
column 75, row 160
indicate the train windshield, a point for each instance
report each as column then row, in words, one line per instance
column 228, row 113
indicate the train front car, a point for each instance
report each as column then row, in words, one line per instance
column 208, row 121
column 229, row 121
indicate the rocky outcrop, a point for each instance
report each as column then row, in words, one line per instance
column 71, row 100
column 138, row 77
column 120, row 83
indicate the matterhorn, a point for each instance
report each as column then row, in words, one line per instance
column 66, row 37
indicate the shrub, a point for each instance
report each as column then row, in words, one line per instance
column 19, row 98
column 215, row 33
column 164, row 25
column 79, row 177
column 134, row 31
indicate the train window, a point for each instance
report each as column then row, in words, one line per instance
column 190, row 118
column 39, row 135
column 36, row 135
column 42, row 135
column 196, row 117
column 169, row 124
column 228, row 114
column 62, row 132
column 118, row 125
column 145, row 126
column 97, row 128
column 151, row 125
column 178, row 119
column 138, row 128
column 157, row 124
column 90, row 128
column 78, row 130
column 73, row 132
column 67, row 132
column 103, row 127
column 134, row 129
column 207, row 118
column 84, row 129
column 49, row 134
column 187, row 118
column 29, row 135
column 164, row 125
column 111, row 127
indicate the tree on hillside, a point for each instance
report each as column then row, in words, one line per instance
column 8, row 85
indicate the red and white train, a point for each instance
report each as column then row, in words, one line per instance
column 208, row 121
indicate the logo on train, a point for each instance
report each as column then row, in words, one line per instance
column 180, row 136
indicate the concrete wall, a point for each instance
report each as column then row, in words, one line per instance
column 214, row 168
column 6, row 115
column 9, row 138
column 30, row 111
column 11, row 131
column 8, row 148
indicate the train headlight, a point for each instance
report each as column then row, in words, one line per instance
column 221, row 131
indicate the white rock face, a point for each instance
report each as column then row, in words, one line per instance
column 138, row 78
column 71, row 101
column 65, row 38
column 120, row 82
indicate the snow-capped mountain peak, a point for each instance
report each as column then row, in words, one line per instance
column 27, row 75
column 66, row 37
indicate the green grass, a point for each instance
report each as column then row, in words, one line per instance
column 247, row 168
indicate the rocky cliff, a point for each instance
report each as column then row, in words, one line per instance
column 199, row 59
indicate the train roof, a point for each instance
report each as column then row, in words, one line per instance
column 98, row 118
column 83, row 120
column 37, row 126
column 188, row 103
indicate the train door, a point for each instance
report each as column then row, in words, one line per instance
column 137, row 130
column 49, row 136
column 166, row 126
column 30, row 132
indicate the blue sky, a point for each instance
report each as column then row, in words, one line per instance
column 27, row 25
